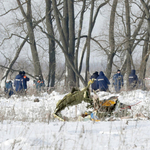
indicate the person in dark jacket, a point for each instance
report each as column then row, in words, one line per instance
column 102, row 82
column 94, row 85
column 133, row 80
column 18, row 83
column 39, row 83
column 8, row 88
column 25, row 79
column 118, row 81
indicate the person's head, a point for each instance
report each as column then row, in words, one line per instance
column 133, row 71
column 23, row 72
column 101, row 73
column 20, row 72
column 95, row 73
column 118, row 71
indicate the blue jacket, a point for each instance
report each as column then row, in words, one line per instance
column 118, row 80
column 18, row 83
column 25, row 79
column 102, row 82
column 133, row 79
column 9, row 88
column 94, row 85
column 39, row 84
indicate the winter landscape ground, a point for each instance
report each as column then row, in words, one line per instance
column 29, row 125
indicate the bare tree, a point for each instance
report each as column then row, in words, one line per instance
column 92, row 21
column 29, row 22
column 111, row 39
column 88, row 41
column 14, row 59
column 78, row 40
column 146, row 46
column 64, row 45
column 128, row 39
column 50, row 30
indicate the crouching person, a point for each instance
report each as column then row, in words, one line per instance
column 8, row 88
column 39, row 84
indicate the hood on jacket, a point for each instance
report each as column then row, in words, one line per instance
column 133, row 72
column 101, row 73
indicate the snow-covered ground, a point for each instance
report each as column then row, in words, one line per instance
column 29, row 125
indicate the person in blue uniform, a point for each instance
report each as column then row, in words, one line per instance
column 102, row 82
column 94, row 85
column 18, row 83
column 25, row 80
column 133, row 80
column 118, row 81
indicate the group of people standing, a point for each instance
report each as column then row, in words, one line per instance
column 101, row 81
column 20, row 84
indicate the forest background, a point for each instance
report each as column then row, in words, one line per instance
column 67, row 40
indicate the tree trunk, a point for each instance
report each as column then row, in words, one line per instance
column 128, row 39
column 64, row 46
column 146, row 50
column 78, row 40
column 28, row 18
column 88, row 41
column 111, row 39
column 71, row 48
column 52, row 61
column 135, row 34
column 65, row 22
column 142, row 70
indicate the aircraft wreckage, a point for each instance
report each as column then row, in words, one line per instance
column 101, row 108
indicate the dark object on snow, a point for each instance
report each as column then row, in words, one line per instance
column 36, row 100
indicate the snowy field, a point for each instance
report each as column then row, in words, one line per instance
column 29, row 125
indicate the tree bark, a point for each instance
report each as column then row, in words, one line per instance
column 88, row 41
column 146, row 49
column 128, row 39
column 52, row 59
column 78, row 40
column 28, row 18
column 142, row 70
column 71, row 46
column 111, row 39
column 64, row 46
